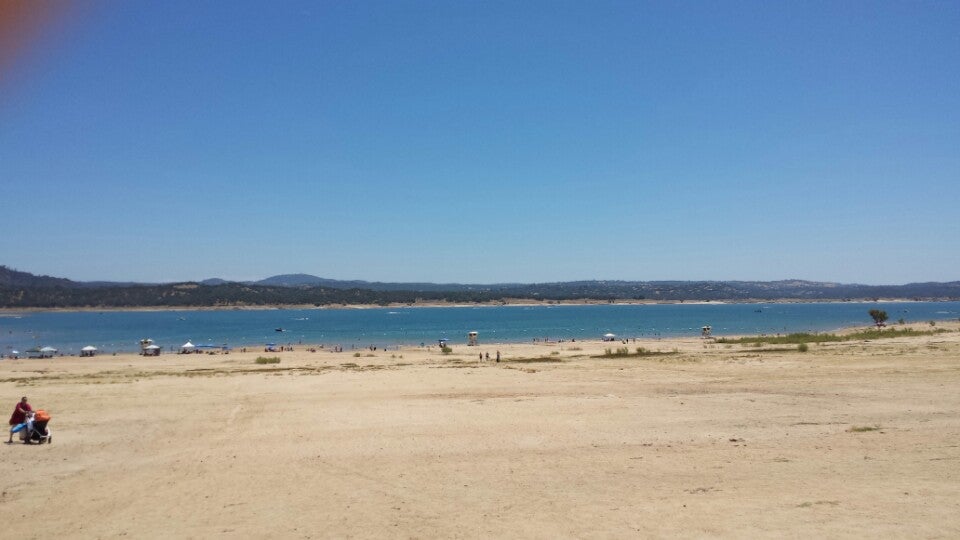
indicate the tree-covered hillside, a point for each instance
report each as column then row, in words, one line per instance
column 24, row 290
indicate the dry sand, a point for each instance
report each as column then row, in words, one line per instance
column 715, row 440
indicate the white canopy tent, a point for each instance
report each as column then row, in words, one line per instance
column 89, row 350
column 187, row 348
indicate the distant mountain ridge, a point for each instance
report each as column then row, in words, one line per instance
column 307, row 280
column 22, row 289
column 14, row 278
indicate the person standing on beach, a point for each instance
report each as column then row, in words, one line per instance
column 498, row 356
column 19, row 415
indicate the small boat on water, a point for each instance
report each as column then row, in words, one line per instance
column 279, row 330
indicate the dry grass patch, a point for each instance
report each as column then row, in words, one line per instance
column 540, row 360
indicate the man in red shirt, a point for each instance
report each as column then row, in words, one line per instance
column 19, row 415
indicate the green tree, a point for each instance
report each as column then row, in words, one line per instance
column 879, row 316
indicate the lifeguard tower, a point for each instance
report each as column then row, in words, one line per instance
column 706, row 332
column 472, row 339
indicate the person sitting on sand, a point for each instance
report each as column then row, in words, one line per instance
column 19, row 415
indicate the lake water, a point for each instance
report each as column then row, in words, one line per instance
column 115, row 331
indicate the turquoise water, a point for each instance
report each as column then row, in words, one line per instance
column 121, row 331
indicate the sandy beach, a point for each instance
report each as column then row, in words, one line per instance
column 848, row 439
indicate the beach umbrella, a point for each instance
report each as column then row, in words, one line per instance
column 46, row 352
column 89, row 348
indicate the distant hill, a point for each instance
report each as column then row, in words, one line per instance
column 14, row 278
column 307, row 280
column 295, row 280
column 22, row 289
column 214, row 281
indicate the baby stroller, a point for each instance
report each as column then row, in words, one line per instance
column 35, row 428
column 38, row 430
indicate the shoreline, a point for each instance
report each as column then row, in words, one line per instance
column 8, row 312
column 950, row 325
column 253, row 329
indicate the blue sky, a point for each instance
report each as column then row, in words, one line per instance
column 486, row 141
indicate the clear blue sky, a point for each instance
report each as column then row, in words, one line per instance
column 486, row 141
